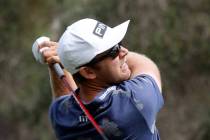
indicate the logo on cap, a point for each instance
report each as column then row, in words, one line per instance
column 100, row 29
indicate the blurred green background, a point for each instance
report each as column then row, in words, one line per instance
column 174, row 33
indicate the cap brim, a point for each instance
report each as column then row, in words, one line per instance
column 115, row 35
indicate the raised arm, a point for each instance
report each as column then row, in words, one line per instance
column 51, row 57
column 57, row 86
column 140, row 64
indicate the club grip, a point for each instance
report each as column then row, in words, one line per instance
column 58, row 70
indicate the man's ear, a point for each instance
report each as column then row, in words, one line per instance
column 87, row 73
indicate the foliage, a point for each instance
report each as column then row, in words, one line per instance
column 174, row 33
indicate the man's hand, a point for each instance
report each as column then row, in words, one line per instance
column 49, row 54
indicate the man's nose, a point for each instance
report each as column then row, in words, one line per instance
column 123, row 52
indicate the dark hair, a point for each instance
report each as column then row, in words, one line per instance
column 79, row 78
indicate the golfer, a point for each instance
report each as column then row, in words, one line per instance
column 121, row 89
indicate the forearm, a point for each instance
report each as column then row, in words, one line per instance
column 140, row 64
column 57, row 86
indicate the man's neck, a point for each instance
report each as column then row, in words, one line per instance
column 88, row 91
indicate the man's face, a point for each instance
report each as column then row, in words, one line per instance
column 113, row 70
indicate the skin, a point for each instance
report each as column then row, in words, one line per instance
column 107, row 72
column 114, row 70
column 51, row 57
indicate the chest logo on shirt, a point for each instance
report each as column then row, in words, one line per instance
column 83, row 119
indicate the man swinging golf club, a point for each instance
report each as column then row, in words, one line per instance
column 120, row 89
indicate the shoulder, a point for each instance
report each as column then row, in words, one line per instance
column 60, row 101
column 61, row 109
column 144, row 89
column 145, row 94
column 140, row 82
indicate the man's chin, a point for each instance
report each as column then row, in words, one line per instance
column 124, row 78
column 127, row 74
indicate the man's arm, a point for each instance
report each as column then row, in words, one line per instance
column 57, row 86
column 140, row 64
column 50, row 56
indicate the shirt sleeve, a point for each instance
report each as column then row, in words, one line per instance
column 146, row 96
column 60, row 112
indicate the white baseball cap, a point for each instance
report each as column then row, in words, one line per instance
column 85, row 39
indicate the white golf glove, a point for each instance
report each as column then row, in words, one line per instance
column 37, row 52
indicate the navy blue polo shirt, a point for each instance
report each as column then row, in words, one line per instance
column 126, row 111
